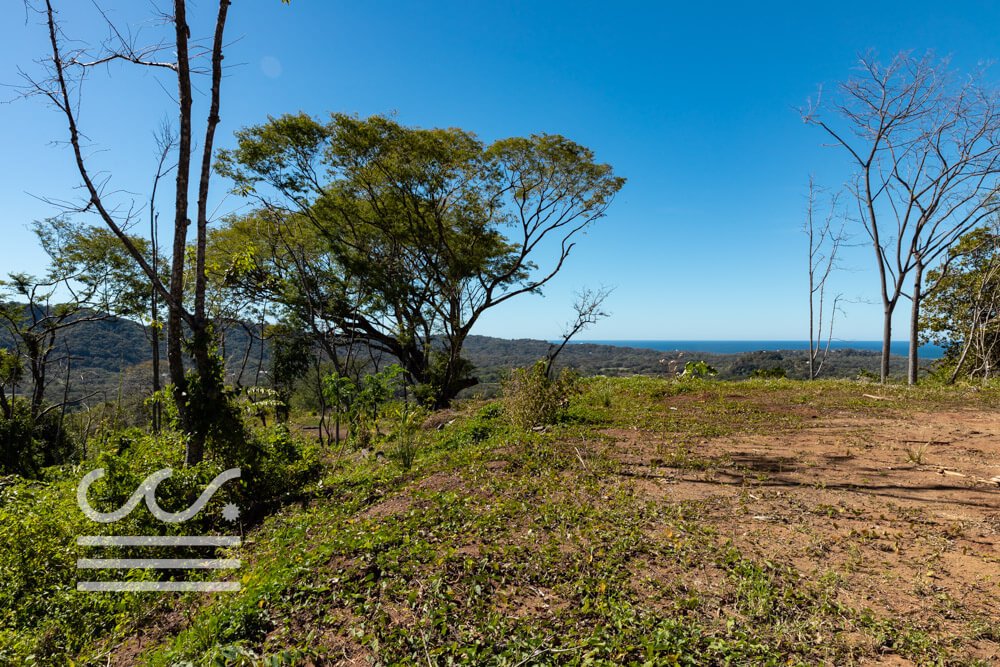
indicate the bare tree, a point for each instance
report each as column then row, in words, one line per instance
column 65, row 70
column 925, row 144
column 34, row 323
column 589, row 308
column 824, row 244
column 166, row 143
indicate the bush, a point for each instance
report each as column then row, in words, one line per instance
column 28, row 445
column 531, row 398
column 865, row 375
column 41, row 613
column 278, row 463
column 698, row 370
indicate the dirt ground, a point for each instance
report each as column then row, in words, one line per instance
column 899, row 506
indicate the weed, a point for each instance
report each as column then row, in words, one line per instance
column 916, row 454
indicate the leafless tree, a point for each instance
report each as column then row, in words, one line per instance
column 166, row 143
column 66, row 68
column 925, row 143
column 34, row 322
column 589, row 308
column 824, row 244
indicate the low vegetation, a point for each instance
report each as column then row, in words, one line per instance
column 630, row 521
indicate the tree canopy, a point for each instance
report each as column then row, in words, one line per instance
column 401, row 237
column 963, row 312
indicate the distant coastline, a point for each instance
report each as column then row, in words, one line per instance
column 899, row 347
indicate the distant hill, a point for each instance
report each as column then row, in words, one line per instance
column 492, row 355
column 113, row 355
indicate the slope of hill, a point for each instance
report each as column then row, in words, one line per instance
column 659, row 523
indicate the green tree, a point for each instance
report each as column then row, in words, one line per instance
column 421, row 231
column 962, row 309
column 78, row 286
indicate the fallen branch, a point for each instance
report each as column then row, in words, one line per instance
column 878, row 398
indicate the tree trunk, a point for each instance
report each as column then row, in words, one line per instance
column 886, row 341
column 209, row 395
column 175, row 333
column 154, row 311
column 5, row 405
column 39, row 363
column 913, row 362
column 961, row 358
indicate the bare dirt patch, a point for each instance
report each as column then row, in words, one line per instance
column 895, row 506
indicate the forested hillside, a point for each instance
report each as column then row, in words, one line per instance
column 113, row 354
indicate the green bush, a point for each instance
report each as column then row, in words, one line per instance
column 28, row 445
column 698, row 370
column 41, row 613
column 278, row 463
column 531, row 398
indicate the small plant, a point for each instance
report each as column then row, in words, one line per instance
column 362, row 402
column 916, row 454
column 259, row 402
column 606, row 399
column 531, row 398
column 407, row 420
column 696, row 370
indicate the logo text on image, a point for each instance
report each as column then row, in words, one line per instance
column 147, row 491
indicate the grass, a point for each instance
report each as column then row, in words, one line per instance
column 495, row 545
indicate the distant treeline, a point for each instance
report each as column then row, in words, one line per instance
column 493, row 355
column 113, row 355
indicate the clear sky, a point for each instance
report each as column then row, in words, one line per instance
column 694, row 103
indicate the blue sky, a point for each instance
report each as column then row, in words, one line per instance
column 694, row 103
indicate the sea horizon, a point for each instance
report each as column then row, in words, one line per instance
column 897, row 347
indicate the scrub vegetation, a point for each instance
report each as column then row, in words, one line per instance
column 643, row 521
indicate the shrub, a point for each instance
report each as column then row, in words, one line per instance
column 277, row 463
column 406, row 421
column 41, row 614
column 363, row 402
column 27, row 445
column 698, row 370
column 532, row 398
column 865, row 375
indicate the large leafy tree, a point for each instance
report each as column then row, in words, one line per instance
column 417, row 232
column 962, row 312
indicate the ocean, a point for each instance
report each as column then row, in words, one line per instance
column 899, row 347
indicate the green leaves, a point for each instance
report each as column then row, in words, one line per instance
column 11, row 367
column 402, row 237
column 962, row 304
